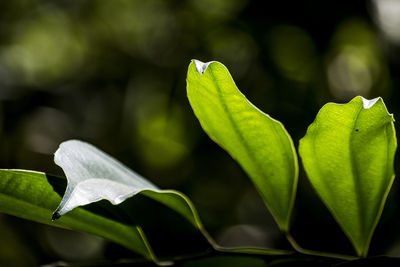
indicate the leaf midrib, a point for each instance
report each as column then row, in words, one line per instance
column 242, row 140
column 357, row 183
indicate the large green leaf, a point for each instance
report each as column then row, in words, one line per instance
column 259, row 143
column 31, row 195
column 348, row 154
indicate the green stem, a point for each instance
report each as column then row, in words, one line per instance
column 249, row 251
column 299, row 249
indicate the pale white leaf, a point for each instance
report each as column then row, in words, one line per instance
column 93, row 175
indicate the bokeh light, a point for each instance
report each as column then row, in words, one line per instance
column 293, row 51
column 387, row 16
column 45, row 48
column 356, row 65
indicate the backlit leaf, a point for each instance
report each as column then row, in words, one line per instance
column 348, row 154
column 259, row 143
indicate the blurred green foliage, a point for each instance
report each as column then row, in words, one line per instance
column 108, row 72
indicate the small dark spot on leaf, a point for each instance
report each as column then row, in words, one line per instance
column 356, row 130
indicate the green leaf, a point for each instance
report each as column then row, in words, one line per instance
column 259, row 143
column 348, row 154
column 30, row 195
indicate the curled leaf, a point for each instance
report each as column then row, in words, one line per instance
column 93, row 175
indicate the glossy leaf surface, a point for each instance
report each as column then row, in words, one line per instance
column 93, row 175
column 259, row 143
column 348, row 154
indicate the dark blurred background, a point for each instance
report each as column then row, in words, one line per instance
column 112, row 73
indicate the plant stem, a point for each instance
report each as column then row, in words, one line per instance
column 299, row 249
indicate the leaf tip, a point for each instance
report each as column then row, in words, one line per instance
column 201, row 66
column 369, row 103
column 56, row 215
